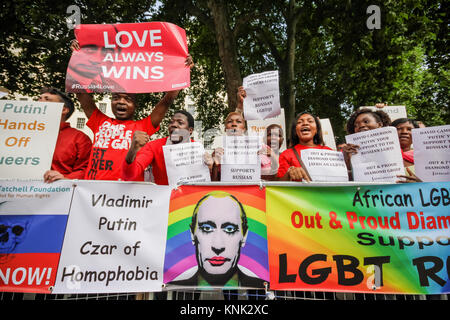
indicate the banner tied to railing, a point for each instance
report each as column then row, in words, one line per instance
column 100, row 237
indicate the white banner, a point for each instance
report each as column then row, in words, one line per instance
column 115, row 239
column 379, row 157
column 28, row 133
column 432, row 153
column 263, row 95
column 184, row 163
column 324, row 165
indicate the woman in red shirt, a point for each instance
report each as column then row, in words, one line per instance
column 306, row 133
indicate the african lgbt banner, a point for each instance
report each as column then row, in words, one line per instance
column 368, row 238
column 219, row 242
column 33, row 218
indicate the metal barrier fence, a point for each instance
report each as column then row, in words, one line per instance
column 223, row 295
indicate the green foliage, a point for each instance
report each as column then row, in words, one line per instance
column 338, row 63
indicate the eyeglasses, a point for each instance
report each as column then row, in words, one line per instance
column 17, row 230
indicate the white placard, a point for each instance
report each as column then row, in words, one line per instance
column 379, row 157
column 327, row 133
column 394, row 112
column 432, row 153
column 35, row 197
column 28, row 133
column 258, row 127
column 240, row 161
column 263, row 95
column 184, row 163
column 115, row 239
column 324, row 165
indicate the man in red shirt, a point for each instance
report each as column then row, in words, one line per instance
column 112, row 136
column 72, row 148
column 143, row 153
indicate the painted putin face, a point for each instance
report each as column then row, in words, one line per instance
column 306, row 128
column 365, row 122
column 218, row 235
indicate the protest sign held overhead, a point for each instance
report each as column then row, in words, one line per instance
column 185, row 164
column 432, row 153
column 263, row 95
column 28, row 133
column 129, row 57
column 379, row 157
column 394, row 112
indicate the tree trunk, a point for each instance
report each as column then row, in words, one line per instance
column 287, row 67
column 227, row 50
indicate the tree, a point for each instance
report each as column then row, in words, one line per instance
column 329, row 61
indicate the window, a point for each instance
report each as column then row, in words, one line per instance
column 80, row 123
column 102, row 107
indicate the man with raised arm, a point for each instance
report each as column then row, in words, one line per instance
column 112, row 136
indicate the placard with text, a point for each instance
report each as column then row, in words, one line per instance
column 377, row 239
column 115, row 239
column 28, row 133
column 129, row 57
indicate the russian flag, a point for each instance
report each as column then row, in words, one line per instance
column 31, row 240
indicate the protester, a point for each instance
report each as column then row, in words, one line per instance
column 112, row 136
column 363, row 120
column 270, row 152
column 143, row 152
column 404, row 129
column 235, row 125
column 306, row 133
column 72, row 148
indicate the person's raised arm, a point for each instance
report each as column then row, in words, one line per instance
column 160, row 110
column 140, row 138
column 241, row 94
column 87, row 103
column 86, row 100
column 162, row 106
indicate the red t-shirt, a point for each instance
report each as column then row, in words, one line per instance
column 112, row 139
column 150, row 154
column 72, row 151
column 288, row 159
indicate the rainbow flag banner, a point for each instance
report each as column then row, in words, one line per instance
column 369, row 238
column 217, row 237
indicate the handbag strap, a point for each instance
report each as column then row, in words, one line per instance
column 297, row 155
